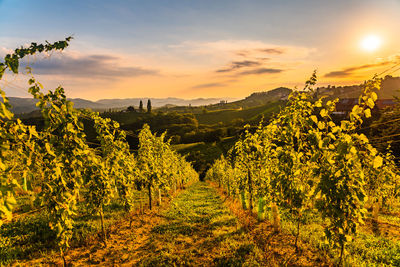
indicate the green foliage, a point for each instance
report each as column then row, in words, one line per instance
column 118, row 162
column 161, row 168
column 141, row 106
column 148, row 106
column 11, row 61
column 302, row 160
column 57, row 166
column 17, row 140
column 63, row 157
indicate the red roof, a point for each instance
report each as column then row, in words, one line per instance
column 347, row 104
column 384, row 103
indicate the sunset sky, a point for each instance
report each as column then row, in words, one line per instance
column 203, row 48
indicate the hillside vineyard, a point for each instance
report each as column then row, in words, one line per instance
column 59, row 167
column 303, row 161
column 148, row 207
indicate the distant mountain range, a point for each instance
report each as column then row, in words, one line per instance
column 254, row 100
column 159, row 102
column 27, row 105
column 390, row 89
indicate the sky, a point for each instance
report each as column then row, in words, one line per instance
column 198, row 48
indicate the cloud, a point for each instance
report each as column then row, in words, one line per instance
column 249, row 54
column 347, row 72
column 243, row 48
column 275, row 51
column 267, row 50
column 261, row 71
column 91, row 66
column 208, row 85
column 4, row 51
column 242, row 53
column 240, row 64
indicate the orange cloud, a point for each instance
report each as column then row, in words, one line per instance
column 240, row 64
column 348, row 72
column 88, row 66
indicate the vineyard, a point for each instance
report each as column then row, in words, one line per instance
column 58, row 171
column 302, row 174
column 305, row 165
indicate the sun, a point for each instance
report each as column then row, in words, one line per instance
column 371, row 43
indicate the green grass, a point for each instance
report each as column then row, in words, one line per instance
column 366, row 249
column 373, row 250
column 208, row 152
column 370, row 247
column 249, row 114
column 29, row 236
column 185, row 147
column 25, row 237
column 390, row 219
column 200, row 230
column 125, row 117
column 197, row 229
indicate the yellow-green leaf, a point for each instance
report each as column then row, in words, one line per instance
column 370, row 103
column 323, row 113
column 378, row 161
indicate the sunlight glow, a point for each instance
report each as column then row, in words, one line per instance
column 371, row 43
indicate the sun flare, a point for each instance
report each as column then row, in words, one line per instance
column 371, row 43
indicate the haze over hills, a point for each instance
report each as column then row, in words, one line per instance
column 159, row 102
column 390, row 88
column 26, row 105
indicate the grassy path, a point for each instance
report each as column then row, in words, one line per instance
column 198, row 230
column 194, row 229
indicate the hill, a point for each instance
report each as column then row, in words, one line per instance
column 256, row 99
column 159, row 102
column 261, row 98
column 27, row 105
column 389, row 90
column 247, row 114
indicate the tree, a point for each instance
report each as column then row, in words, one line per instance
column 148, row 106
column 130, row 109
column 141, row 106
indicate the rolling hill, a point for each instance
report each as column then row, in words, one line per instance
column 389, row 90
column 247, row 114
column 27, row 105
